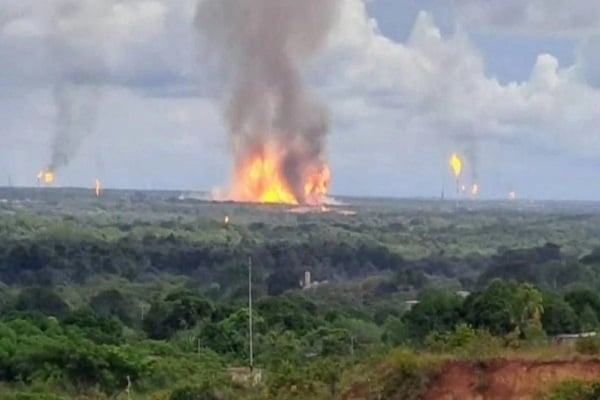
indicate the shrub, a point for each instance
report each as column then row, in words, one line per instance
column 589, row 346
column 570, row 390
column 36, row 396
column 463, row 340
column 407, row 379
column 193, row 393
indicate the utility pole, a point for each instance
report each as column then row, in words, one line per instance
column 250, row 314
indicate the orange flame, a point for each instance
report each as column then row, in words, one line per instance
column 475, row 189
column 97, row 187
column 259, row 178
column 316, row 185
column 456, row 164
column 46, row 177
column 226, row 219
column 512, row 195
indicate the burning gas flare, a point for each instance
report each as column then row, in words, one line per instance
column 456, row 165
column 512, row 195
column 475, row 189
column 97, row 187
column 46, row 177
column 226, row 220
column 260, row 178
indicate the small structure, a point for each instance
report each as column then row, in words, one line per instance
column 569, row 339
column 409, row 304
column 307, row 280
column 246, row 376
column 308, row 283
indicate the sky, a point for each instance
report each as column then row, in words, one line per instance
column 513, row 86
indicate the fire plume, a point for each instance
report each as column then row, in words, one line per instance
column 259, row 178
column 46, row 177
column 97, row 187
column 475, row 189
column 316, row 185
column 456, row 164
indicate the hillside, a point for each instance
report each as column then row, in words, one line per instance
column 506, row 379
column 472, row 379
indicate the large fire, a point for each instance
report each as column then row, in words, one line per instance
column 259, row 178
column 46, row 176
column 316, row 184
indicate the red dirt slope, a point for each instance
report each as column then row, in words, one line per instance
column 505, row 379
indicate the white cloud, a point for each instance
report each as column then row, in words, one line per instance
column 567, row 17
column 125, row 42
column 401, row 104
column 22, row 28
column 589, row 61
column 436, row 87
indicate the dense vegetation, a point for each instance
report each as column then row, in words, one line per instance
column 145, row 295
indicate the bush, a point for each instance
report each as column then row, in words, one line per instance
column 407, row 379
column 588, row 346
column 571, row 390
column 35, row 396
column 463, row 340
column 193, row 393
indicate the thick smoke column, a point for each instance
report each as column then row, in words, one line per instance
column 76, row 108
column 77, row 67
column 261, row 46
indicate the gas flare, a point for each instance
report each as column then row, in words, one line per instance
column 456, row 165
column 226, row 220
column 260, row 178
column 46, row 177
column 512, row 195
column 97, row 187
column 475, row 189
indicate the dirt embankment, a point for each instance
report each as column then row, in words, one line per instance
column 495, row 379
column 505, row 379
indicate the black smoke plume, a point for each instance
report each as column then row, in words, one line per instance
column 78, row 65
column 261, row 47
column 76, row 114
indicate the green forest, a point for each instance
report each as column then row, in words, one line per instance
column 144, row 295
